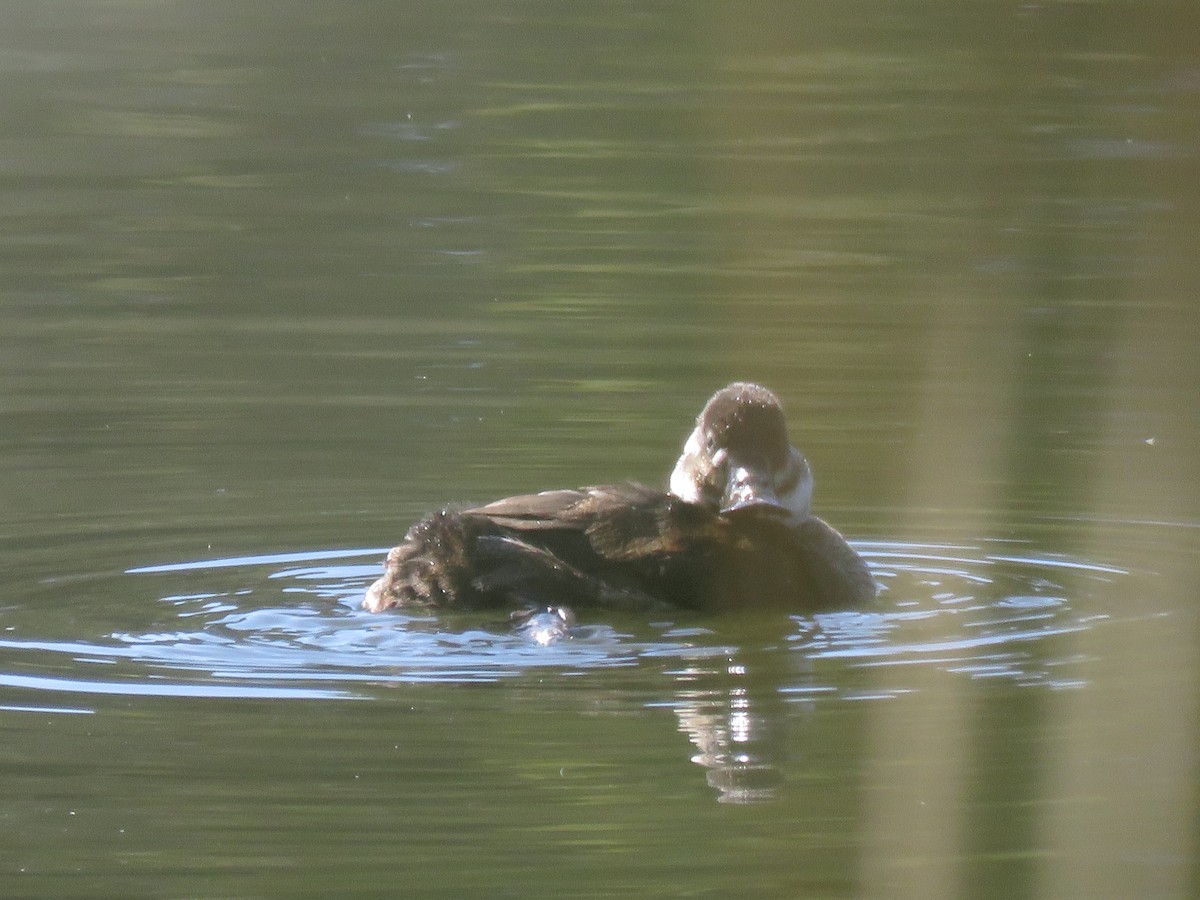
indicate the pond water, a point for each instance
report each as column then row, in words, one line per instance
column 276, row 279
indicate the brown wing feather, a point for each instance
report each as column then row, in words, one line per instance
column 654, row 525
column 625, row 521
column 530, row 512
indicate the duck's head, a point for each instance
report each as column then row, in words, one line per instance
column 738, row 459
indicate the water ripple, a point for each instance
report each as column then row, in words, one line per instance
column 287, row 625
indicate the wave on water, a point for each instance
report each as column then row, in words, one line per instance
column 287, row 625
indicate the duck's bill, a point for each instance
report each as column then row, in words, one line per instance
column 751, row 489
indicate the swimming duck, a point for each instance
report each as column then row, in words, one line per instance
column 734, row 529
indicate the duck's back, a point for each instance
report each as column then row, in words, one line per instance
column 619, row 546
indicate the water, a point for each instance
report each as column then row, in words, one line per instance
column 297, row 631
column 276, row 280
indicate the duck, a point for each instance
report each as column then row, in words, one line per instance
column 732, row 530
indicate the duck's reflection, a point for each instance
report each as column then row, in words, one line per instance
column 733, row 710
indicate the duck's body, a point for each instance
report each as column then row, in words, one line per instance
column 735, row 530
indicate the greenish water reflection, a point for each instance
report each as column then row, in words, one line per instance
column 277, row 279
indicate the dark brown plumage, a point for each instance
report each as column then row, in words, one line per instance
column 742, row 537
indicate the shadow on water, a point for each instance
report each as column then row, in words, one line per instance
column 288, row 626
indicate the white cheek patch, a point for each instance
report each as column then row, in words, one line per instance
column 684, row 488
column 683, row 479
column 798, row 499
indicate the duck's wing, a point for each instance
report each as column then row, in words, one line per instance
column 623, row 522
column 576, row 510
column 645, row 526
column 533, row 512
column 531, row 574
column 543, row 550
